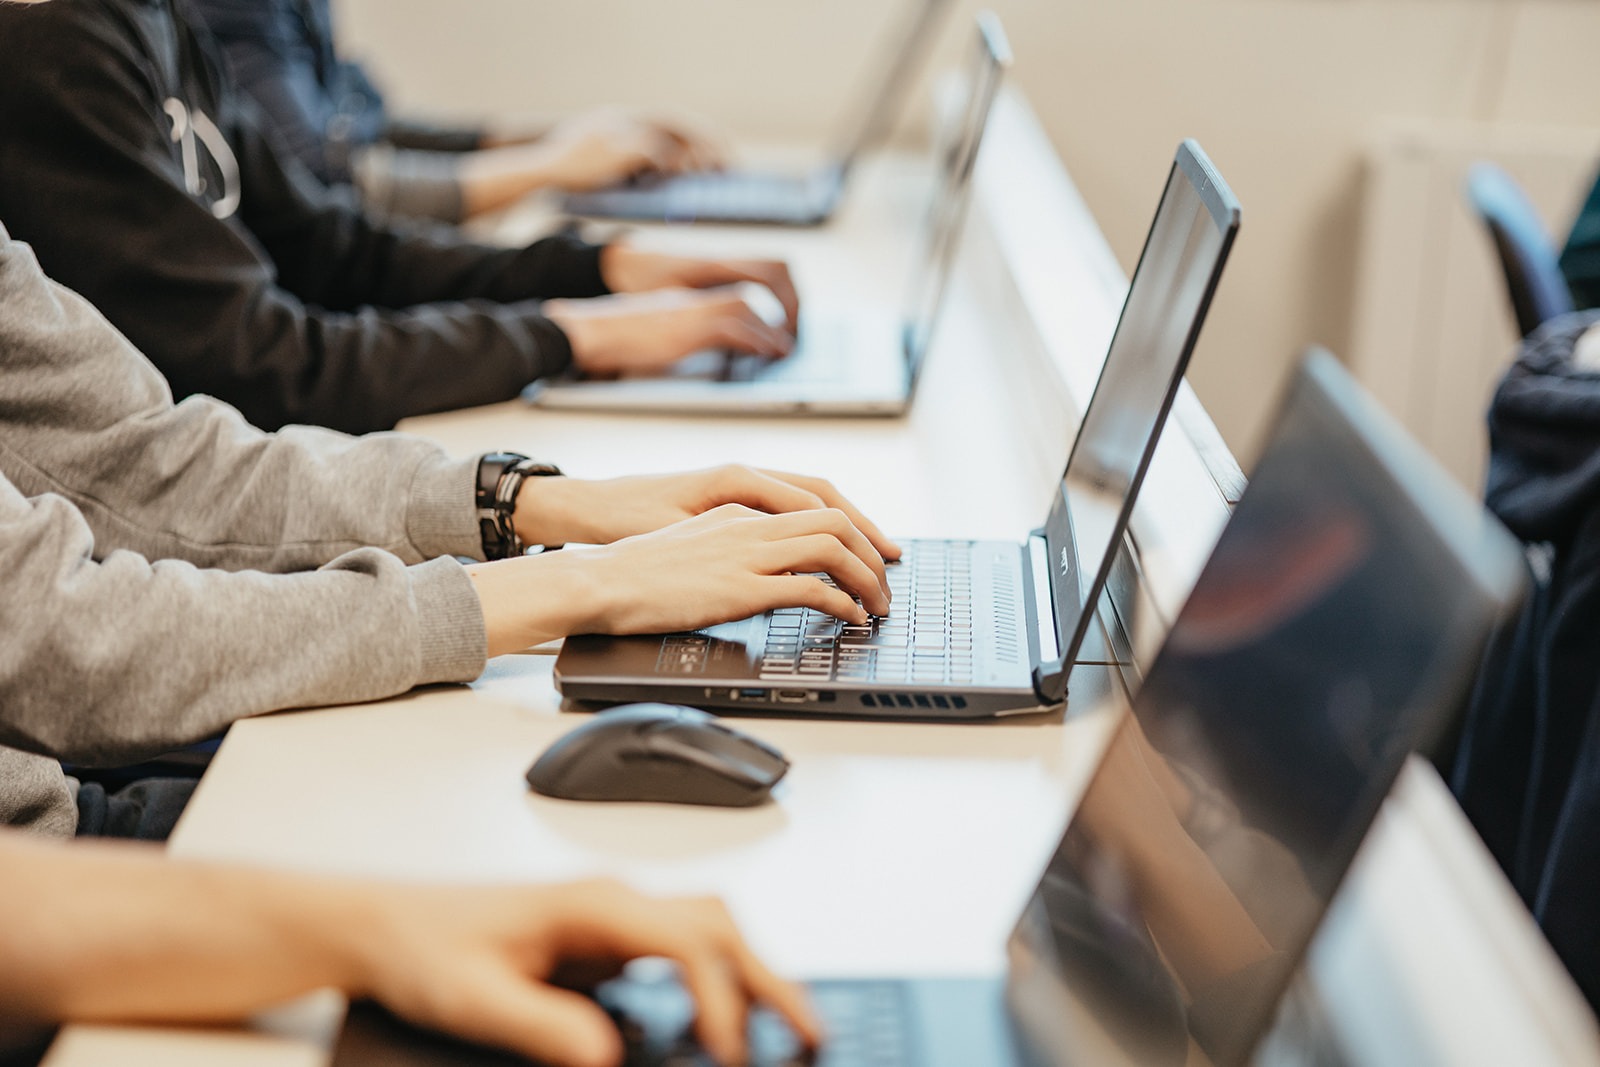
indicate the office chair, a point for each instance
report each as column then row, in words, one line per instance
column 1533, row 277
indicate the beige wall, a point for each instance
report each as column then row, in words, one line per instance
column 1281, row 92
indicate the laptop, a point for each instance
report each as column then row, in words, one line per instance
column 749, row 197
column 977, row 629
column 855, row 362
column 1336, row 626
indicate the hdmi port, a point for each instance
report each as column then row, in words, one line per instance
column 791, row 696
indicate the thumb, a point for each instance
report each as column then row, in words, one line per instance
column 505, row 1008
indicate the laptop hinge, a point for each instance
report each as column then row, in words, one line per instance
column 1049, row 674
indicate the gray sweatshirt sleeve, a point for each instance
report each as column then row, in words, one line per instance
column 113, row 659
column 35, row 795
column 410, row 182
column 84, row 415
column 135, row 534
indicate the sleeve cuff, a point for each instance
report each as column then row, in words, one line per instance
column 563, row 265
column 441, row 519
column 453, row 644
column 586, row 269
column 411, row 183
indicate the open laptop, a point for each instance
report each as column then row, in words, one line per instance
column 1336, row 626
column 977, row 629
column 764, row 197
column 855, row 362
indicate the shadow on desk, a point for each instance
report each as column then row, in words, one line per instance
column 374, row 1038
column 597, row 827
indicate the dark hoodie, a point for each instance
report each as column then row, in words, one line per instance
column 1580, row 259
column 143, row 180
column 1528, row 769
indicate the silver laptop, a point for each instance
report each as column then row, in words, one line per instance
column 858, row 363
column 748, row 197
column 977, row 629
column 1336, row 626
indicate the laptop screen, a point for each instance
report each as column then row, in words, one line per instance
column 1337, row 622
column 955, row 158
column 871, row 125
column 1161, row 318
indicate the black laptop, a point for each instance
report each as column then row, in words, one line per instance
column 757, row 197
column 977, row 628
column 1334, row 629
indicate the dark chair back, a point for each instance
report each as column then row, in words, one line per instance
column 1533, row 276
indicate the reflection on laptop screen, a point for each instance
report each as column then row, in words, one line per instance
column 954, row 161
column 1339, row 617
column 1161, row 317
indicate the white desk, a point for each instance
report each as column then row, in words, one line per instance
column 894, row 848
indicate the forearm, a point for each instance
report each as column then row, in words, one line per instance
column 497, row 177
column 131, row 936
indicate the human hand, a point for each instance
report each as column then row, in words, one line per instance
column 631, row 270
column 556, row 511
column 648, row 332
column 497, row 966
column 729, row 563
column 121, row 934
column 603, row 147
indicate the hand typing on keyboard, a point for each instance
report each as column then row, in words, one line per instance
column 555, row 511
column 632, row 270
column 729, row 563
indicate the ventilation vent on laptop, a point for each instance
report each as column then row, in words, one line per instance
column 942, row 701
column 1006, row 612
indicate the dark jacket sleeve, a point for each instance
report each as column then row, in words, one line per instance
column 296, row 309
column 274, row 57
column 427, row 136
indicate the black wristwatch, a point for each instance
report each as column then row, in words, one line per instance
column 500, row 476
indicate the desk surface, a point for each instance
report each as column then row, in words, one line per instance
column 893, row 848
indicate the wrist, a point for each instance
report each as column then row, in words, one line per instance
column 501, row 476
column 627, row 269
column 336, row 929
column 529, row 601
column 614, row 263
column 549, row 511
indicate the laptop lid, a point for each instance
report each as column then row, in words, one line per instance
column 1338, row 622
column 1166, row 305
column 955, row 159
column 871, row 125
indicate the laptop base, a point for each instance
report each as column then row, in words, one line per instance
column 739, row 198
column 845, row 364
column 956, row 646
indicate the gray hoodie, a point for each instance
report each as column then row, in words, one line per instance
column 167, row 568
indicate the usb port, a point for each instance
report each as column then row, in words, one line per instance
column 747, row 694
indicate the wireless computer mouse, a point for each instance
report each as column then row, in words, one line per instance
column 658, row 752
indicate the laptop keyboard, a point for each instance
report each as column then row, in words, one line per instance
column 822, row 354
column 926, row 639
column 867, row 1023
column 729, row 194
